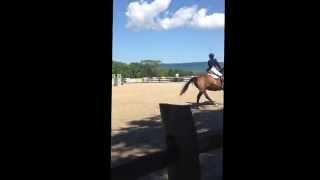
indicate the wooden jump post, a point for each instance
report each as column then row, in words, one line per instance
column 181, row 137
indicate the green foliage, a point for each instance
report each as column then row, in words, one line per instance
column 146, row 68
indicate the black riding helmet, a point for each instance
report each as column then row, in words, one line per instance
column 211, row 55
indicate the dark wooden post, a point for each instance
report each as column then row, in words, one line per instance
column 181, row 137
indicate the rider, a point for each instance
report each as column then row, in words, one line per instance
column 214, row 66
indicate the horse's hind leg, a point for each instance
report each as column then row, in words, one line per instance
column 207, row 96
column 199, row 95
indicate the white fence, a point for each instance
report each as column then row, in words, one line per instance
column 117, row 79
column 156, row 79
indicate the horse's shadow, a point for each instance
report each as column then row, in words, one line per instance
column 197, row 105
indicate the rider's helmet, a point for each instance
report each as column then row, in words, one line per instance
column 211, row 55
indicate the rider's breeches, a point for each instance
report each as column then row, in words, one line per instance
column 215, row 71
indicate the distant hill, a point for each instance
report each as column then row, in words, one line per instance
column 196, row 67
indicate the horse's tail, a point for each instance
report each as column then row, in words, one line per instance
column 185, row 87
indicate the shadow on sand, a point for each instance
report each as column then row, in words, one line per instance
column 147, row 135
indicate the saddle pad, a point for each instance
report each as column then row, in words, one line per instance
column 213, row 75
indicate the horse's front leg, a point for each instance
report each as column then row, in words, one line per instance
column 199, row 96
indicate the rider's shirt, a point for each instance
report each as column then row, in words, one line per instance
column 213, row 62
column 213, row 68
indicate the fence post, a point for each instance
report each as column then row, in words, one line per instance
column 181, row 137
column 113, row 79
column 119, row 79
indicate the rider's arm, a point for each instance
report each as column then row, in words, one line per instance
column 217, row 63
column 210, row 63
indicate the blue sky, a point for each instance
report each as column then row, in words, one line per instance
column 173, row 31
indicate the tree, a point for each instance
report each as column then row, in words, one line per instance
column 151, row 67
column 119, row 68
column 146, row 68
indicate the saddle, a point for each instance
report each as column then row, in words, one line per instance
column 215, row 76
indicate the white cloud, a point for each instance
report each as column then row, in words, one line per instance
column 202, row 20
column 181, row 17
column 144, row 15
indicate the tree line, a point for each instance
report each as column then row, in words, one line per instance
column 145, row 68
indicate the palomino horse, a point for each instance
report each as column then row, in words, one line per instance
column 204, row 82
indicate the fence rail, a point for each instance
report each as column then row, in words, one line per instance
column 156, row 80
column 118, row 80
column 183, row 148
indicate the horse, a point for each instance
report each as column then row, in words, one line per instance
column 204, row 82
